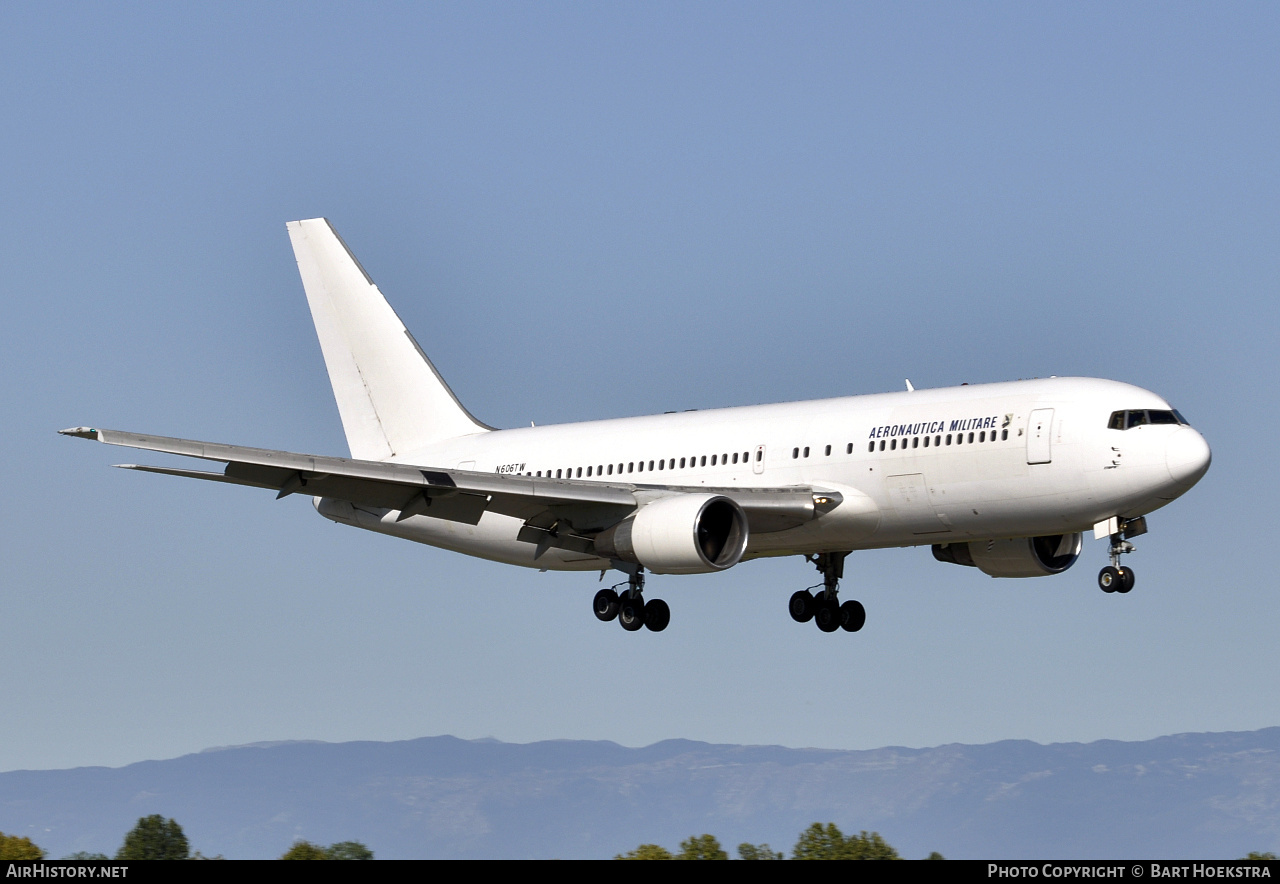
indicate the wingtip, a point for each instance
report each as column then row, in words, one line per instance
column 81, row 432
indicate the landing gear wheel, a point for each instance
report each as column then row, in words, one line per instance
column 631, row 613
column 802, row 606
column 606, row 605
column 827, row 615
column 657, row 615
column 1126, row 580
column 852, row 616
column 1109, row 579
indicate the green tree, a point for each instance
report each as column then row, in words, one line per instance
column 828, row 842
column 86, row 856
column 341, row 850
column 935, row 855
column 155, row 837
column 348, row 850
column 757, row 851
column 1253, row 854
column 305, row 850
column 701, row 847
column 646, row 851
column 19, row 847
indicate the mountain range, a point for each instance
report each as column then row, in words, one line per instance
column 1188, row 796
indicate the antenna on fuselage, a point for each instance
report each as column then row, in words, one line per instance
column 910, row 389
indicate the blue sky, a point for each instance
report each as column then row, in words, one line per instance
column 596, row 210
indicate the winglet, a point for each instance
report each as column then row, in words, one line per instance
column 81, row 432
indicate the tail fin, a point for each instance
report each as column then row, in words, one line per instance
column 391, row 398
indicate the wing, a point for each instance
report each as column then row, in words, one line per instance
column 556, row 512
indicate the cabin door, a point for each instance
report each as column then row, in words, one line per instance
column 1039, row 430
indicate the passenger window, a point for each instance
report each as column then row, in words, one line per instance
column 703, row 462
column 882, row 445
column 971, row 438
column 926, row 441
column 828, row 451
column 735, row 457
column 631, row 466
column 948, row 438
column 915, row 441
column 849, row 450
column 982, row 437
column 579, row 476
column 661, row 464
column 1004, row 435
column 806, row 451
column 682, row 463
column 795, row 453
column 871, row 446
column 893, row 444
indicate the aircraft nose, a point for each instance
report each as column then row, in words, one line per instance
column 1187, row 455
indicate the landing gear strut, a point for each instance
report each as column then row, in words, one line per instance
column 1115, row 577
column 629, row 607
column 824, row 608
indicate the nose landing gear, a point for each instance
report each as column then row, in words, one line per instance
column 824, row 608
column 1115, row 577
column 629, row 607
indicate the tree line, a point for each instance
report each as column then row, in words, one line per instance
column 816, row 842
column 155, row 837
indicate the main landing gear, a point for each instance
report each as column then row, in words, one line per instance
column 1115, row 577
column 629, row 607
column 824, row 608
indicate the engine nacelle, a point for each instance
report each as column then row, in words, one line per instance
column 1018, row 557
column 681, row 534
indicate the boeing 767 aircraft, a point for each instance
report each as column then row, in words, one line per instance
column 1003, row 477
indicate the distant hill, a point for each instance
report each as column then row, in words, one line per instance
column 1185, row 796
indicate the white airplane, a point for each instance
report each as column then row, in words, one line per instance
column 1003, row 477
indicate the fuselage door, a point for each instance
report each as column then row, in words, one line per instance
column 909, row 496
column 757, row 460
column 1039, row 430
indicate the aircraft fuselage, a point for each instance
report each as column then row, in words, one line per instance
column 1021, row 458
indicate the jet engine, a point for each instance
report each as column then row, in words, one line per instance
column 1016, row 557
column 681, row 534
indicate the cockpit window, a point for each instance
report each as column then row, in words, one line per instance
column 1127, row 420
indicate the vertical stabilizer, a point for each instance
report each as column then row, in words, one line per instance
column 391, row 398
